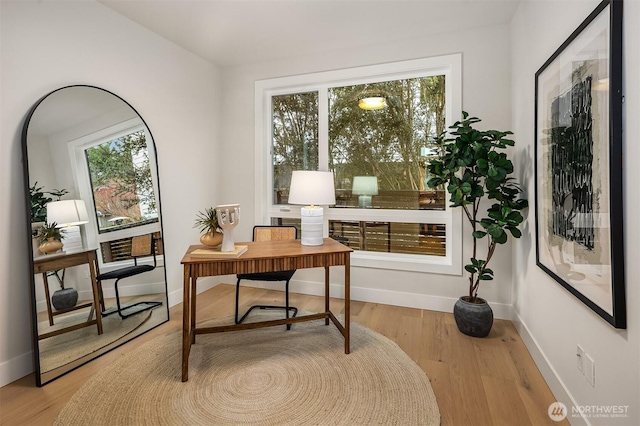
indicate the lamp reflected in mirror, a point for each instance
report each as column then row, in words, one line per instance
column 68, row 215
column 364, row 187
column 372, row 103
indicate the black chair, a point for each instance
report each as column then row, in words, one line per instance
column 141, row 246
column 270, row 233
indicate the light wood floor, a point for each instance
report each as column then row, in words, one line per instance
column 490, row 381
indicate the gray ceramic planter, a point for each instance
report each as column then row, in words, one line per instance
column 473, row 319
column 64, row 299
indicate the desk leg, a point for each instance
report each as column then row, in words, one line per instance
column 347, row 302
column 326, row 293
column 186, row 317
column 94, row 286
column 47, row 296
column 193, row 308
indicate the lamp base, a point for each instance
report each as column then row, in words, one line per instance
column 364, row 201
column 312, row 218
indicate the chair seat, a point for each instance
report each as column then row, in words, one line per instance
column 129, row 271
column 268, row 276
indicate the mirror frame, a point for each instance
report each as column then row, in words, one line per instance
column 32, row 290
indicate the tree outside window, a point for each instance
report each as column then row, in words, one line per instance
column 121, row 182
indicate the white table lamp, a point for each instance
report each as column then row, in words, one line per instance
column 364, row 187
column 69, row 214
column 312, row 189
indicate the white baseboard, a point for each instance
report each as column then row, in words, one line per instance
column 109, row 292
column 16, row 368
column 386, row 297
column 557, row 386
column 128, row 290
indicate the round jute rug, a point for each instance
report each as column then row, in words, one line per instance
column 64, row 348
column 269, row 376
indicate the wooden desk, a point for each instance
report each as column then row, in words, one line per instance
column 264, row 256
column 54, row 262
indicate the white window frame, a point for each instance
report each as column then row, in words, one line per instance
column 80, row 171
column 448, row 65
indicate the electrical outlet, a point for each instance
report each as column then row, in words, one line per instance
column 580, row 359
column 590, row 370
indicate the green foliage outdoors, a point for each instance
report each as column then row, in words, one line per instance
column 111, row 164
column 385, row 143
column 474, row 168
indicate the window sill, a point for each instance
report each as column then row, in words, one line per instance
column 407, row 262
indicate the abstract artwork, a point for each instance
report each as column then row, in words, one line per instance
column 579, row 175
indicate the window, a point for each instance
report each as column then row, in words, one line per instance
column 115, row 169
column 384, row 209
column 121, row 184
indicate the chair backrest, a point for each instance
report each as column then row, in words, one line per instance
column 143, row 245
column 274, row 233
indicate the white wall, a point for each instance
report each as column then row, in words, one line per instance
column 551, row 320
column 486, row 94
column 47, row 45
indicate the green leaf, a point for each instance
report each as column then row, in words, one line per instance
column 477, row 262
column 495, row 230
column 515, row 218
column 486, row 223
column 479, row 234
column 477, row 191
column 501, row 238
column 515, row 232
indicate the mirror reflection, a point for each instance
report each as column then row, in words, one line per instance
column 96, row 234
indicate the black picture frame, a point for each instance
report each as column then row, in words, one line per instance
column 578, row 164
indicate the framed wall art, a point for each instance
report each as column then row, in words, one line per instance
column 578, row 164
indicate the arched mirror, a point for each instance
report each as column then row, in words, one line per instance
column 95, row 228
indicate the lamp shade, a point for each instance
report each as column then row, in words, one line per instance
column 312, row 188
column 365, row 185
column 67, row 213
column 372, row 103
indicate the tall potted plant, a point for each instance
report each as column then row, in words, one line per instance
column 476, row 171
column 39, row 201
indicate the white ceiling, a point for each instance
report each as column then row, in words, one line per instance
column 237, row 32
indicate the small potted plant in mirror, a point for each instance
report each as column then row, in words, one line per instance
column 50, row 238
column 476, row 172
column 207, row 223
